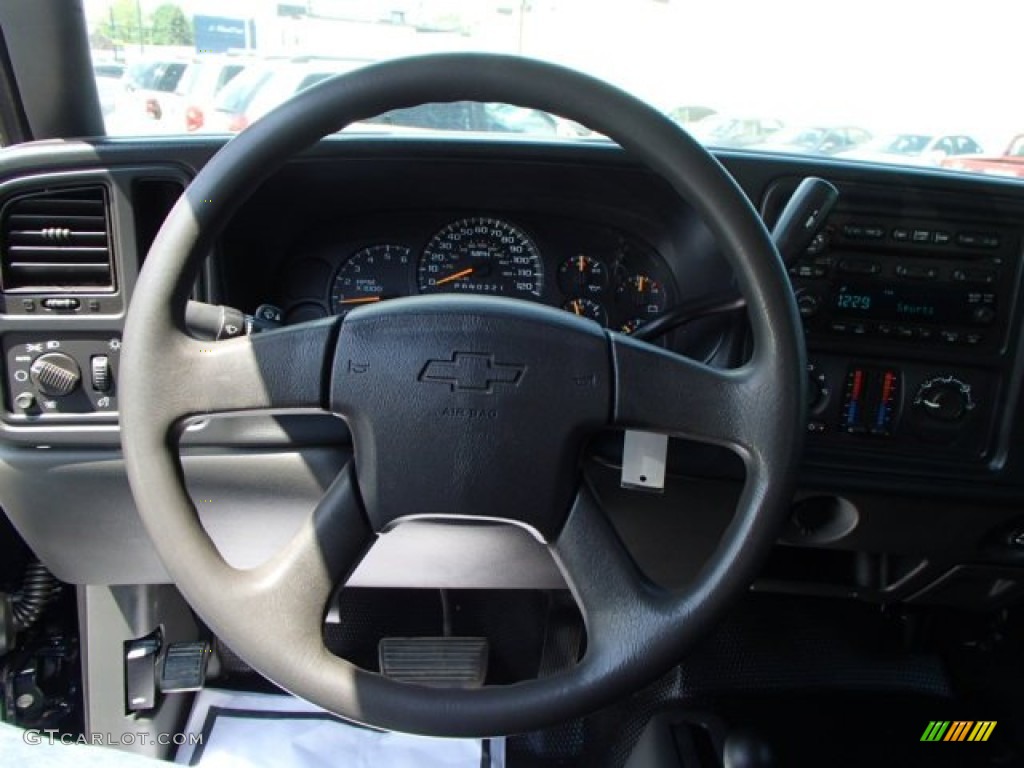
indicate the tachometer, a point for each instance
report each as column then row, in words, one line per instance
column 484, row 256
column 373, row 274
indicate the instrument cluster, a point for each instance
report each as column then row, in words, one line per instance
column 593, row 271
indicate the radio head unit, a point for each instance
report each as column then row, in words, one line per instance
column 906, row 282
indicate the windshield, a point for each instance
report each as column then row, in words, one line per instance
column 790, row 76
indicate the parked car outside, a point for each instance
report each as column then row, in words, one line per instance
column 1010, row 163
column 914, row 147
column 264, row 85
column 147, row 83
column 202, row 80
column 724, row 131
column 820, row 140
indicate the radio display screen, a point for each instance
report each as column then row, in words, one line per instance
column 899, row 303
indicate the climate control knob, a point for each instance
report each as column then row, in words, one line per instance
column 55, row 374
column 945, row 398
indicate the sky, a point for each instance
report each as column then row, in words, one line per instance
column 887, row 65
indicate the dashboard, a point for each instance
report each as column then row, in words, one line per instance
column 913, row 478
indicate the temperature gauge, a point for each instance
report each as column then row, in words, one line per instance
column 582, row 276
column 587, row 308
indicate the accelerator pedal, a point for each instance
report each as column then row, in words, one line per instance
column 442, row 662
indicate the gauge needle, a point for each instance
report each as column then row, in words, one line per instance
column 457, row 276
column 360, row 300
column 576, row 307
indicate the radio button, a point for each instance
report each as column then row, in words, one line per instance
column 925, row 334
column 973, row 339
column 884, row 330
column 941, row 238
column 859, row 329
column 839, row 328
column 916, row 271
column 921, row 236
column 977, row 239
column 985, row 276
column 983, row 315
column 949, row 337
column 859, row 267
column 901, row 235
column 904, row 332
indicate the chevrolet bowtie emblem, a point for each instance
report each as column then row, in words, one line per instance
column 472, row 372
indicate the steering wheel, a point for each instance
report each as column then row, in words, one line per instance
column 459, row 407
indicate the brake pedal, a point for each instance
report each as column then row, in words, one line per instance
column 442, row 662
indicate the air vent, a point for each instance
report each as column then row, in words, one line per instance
column 57, row 240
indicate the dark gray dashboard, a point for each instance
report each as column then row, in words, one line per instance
column 915, row 286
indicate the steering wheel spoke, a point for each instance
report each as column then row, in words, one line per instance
column 659, row 391
column 611, row 591
column 295, row 585
column 286, row 368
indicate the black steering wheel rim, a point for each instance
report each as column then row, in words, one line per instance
column 267, row 615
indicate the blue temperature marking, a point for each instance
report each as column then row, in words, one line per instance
column 851, row 413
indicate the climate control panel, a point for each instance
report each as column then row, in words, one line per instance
column 60, row 377
column 922, row 410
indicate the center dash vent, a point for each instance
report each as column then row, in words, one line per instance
column 58, row 240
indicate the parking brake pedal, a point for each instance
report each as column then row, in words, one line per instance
column 442, row 662
column 184, row 667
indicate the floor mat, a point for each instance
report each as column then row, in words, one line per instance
column 258, row 730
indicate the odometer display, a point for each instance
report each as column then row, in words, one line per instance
column 484, row 256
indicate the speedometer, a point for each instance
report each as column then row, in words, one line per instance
column 483, row 256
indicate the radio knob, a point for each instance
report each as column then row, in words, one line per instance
column 983, row 315
column 55, row 374
column 945, row 398
column 817, row 391
column 807, row 303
